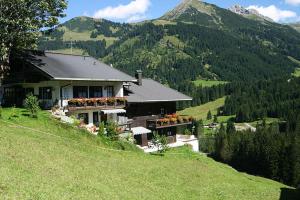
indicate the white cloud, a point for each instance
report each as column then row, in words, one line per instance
column 293, row 2
column 133, row 11
column 274, row 13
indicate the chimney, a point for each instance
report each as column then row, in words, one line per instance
column 139, row 77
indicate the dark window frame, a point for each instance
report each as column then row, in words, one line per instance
column 96, row 91
column 110, row 91
column 44, row 94
column 79, row 90
column 29, row 90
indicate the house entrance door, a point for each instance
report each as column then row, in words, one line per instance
column 96, row 118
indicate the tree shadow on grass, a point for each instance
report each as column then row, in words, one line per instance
column 289, row 194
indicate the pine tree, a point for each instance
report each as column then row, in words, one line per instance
column 215, row 119
column 230, row 127
column 296, row 153
column 209, row 115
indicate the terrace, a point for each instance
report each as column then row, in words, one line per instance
column 99, row 103
column 169, row 121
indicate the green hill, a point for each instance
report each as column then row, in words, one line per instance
column 43, row 159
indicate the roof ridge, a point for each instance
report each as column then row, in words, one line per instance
column 67, row 54
column 169, row 87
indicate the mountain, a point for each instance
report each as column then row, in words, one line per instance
column 296, row 26
column 249, row 13
column 195, row 40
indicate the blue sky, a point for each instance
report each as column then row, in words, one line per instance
column 138, row 10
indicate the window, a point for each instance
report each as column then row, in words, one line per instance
column 162, row 111
column 80, row 92
column 84, row 117
column 96, row 92
column 110, row 91
column 29, row 91
column 45, row 93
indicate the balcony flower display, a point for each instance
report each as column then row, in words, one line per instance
column 185, row 119
column 91, row 102
column 101, row 101
column 111, row 101
column 179, row 119
column 173, row 120
column 121, row 100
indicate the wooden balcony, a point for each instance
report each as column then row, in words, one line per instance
column 106, row 103
column 169, row 121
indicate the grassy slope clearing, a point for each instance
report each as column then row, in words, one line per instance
column 54, row 161
column 297, row 72
column 208, row 83
column 200, row 112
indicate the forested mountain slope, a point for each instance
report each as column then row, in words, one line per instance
column 195, row 40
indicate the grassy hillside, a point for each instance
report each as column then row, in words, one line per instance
column 43, row 159
column 200, row 112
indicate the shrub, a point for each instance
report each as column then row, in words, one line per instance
column 187, row 132
column 76, row 122
column 101, row 129
column 112, row 130
column 13, row 113
column 1, row 112
column 32, row 105
column 160, row 142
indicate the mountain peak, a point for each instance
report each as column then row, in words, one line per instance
column 249, row 13
column 188, row 4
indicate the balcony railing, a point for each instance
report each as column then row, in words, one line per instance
column 169, row 121
column 102, row 103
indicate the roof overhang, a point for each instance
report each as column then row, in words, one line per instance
column 140, row 131
column 114, row 111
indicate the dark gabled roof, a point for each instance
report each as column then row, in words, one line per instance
column 152, row 91
column 72, row 67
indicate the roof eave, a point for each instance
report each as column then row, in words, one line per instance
column 90, row 79
column 154, row 101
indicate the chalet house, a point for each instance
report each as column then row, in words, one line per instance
column 94, row 92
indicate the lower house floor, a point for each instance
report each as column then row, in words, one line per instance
column 142, row 127
column 181, row 140
column 95, row 117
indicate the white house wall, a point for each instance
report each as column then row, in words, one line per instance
column 55, row 85
column 67, row 88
